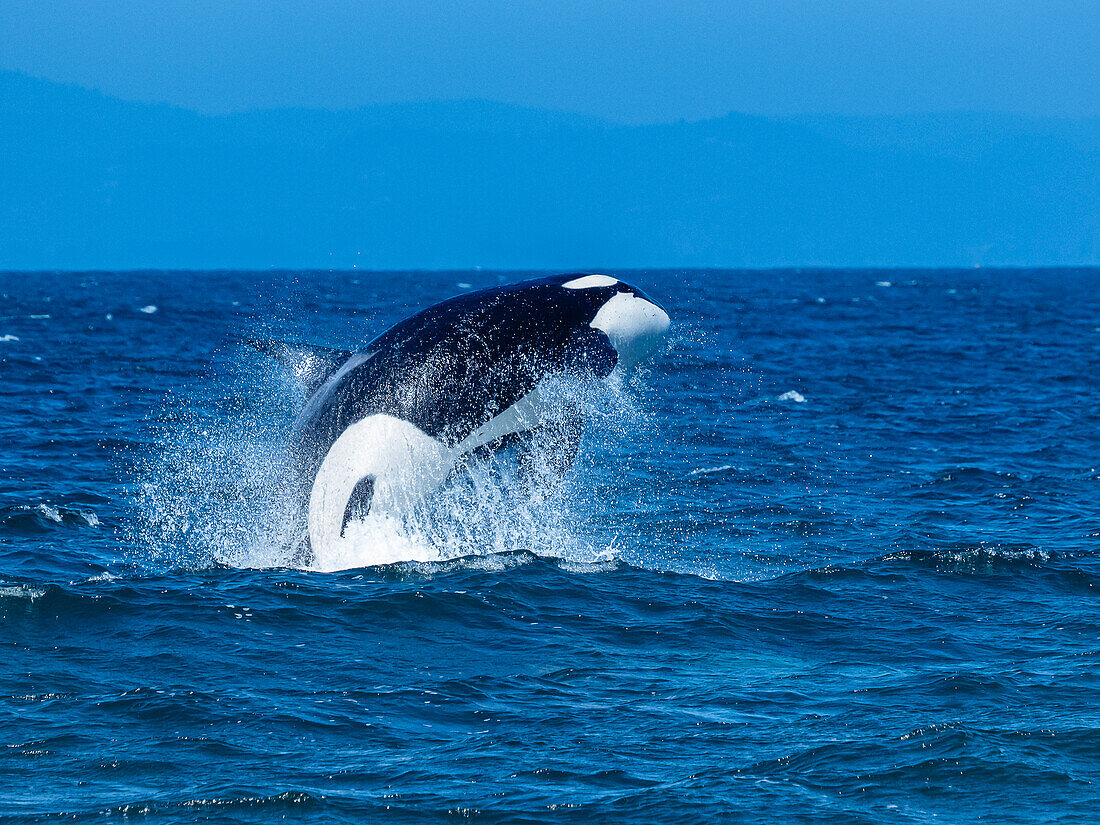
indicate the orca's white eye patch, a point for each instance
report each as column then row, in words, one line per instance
column 589, row 281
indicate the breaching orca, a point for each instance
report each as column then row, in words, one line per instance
column 386, row 426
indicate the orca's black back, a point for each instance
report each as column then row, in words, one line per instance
column 456, row 365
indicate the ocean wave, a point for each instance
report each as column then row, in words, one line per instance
column 277, row 804
column 878, row 606
column 43, row 518
column 981, row 558
column 967, row 479
column 21, row 591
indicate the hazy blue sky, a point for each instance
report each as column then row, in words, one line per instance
column 632, row 61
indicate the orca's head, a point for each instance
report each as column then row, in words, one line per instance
column 633, row 322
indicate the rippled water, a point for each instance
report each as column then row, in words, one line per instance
column 833, row 559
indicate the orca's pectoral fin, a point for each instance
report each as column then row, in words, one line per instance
column 312, row 365
column 542, row 456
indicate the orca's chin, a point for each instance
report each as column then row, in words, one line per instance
column 634, row 325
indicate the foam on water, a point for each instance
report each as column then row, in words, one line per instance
column 793, row 395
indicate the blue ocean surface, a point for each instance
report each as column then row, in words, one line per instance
column 831, row 556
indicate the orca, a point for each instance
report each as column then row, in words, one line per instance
column 386, row 426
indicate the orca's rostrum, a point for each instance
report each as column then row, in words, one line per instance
column 386, row 426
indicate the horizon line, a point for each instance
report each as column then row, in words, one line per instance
column 556, row 270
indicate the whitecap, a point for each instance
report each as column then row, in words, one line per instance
column 883, row 283
column 21, row 591
column 706, row 471
column 52, row 513
column 148, row 310
column 588, row 567
column 6, row 338
column 793, row 395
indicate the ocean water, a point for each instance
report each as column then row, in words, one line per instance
column 832, row 557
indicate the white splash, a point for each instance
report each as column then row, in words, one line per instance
column 21, row 591
column 50, row 512
column 219, row 493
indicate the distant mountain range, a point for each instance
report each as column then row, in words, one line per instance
column 88, row 181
